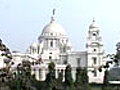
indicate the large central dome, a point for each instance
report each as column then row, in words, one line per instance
column 53, row 28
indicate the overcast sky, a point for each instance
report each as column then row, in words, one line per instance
column 21, row 21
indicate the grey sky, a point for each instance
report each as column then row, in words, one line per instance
column 21, row 21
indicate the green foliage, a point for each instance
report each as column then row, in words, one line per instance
column 60, row 76
column 69, row 84
column 51, row 66
column 117, row 55
column 106, row 81
column 50, row 79
column 22, row 79
column 78, row 76
column 81, row 82
column 60, row 81
column 107, row 88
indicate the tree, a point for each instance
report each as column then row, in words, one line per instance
column 69, row 84
column 106, row 85
column 106, row 82
column 78, row 81
column 115, row 59
column 81, row 82
column 60, row 81
column 23, row 79
column 50, row 79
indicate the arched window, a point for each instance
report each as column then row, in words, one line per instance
column 50, row 57
column 94, row 37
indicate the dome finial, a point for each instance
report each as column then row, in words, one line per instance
column 53, row 16
column 94, row 24
column 93, row 19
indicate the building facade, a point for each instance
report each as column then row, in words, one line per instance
column 53, row 45
column 95, row 53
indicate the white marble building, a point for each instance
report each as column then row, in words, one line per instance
column 54, row 45
column 95, row 53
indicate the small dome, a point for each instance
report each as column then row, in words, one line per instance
column 35, row 44
column 69, row 44
column 94, row 25
column 53, row 29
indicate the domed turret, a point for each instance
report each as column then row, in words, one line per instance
column 94, row 25
column 69, row 47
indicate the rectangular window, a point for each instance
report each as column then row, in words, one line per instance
column 51, row 44
column 38, row 49
column 65, row 61
column 50, row 57
column 95, row 73
column 78, row 62
column 94, row 60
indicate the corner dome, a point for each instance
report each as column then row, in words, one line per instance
column 69, row 44
column 94, row 25
column 35, row 44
